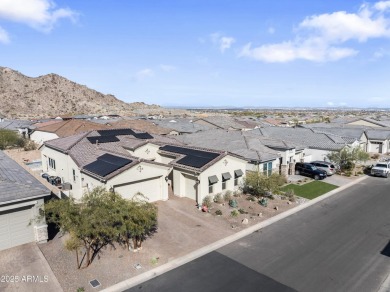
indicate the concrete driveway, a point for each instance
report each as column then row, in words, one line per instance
column 24, row 268
column 337, row 180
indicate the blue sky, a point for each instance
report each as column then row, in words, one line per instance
column 207, row 53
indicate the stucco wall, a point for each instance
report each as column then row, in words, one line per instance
column 217, row 169
column 148, row 151
column 39, row 137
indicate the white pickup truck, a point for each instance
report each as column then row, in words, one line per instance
column 381, row 169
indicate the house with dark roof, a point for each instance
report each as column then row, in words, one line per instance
column 21, row 205
column 130, row 162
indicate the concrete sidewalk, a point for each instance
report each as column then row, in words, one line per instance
column 220, row 243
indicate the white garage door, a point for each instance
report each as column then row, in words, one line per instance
column 151, row 188
column 190, row 184
column 14, row 227
column 375, row 147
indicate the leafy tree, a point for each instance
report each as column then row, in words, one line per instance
column 102, row 218
column 10, row 138
column 139, row 221
column 347, row 157
column 257, row 183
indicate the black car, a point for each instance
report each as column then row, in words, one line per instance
column 308, row 169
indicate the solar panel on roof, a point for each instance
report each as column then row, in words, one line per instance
column 116, row 132
column 106, row 164
column 187, row 151
column 114, row 159
column 193, row 158
column 102, row 139
column 143, row 136
column 101, row 168
column 194, row 161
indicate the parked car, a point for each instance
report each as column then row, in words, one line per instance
column 381, row 169
column 327, row 166
column 310, row 170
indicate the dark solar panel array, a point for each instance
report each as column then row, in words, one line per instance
column 193, row 158
column 106, row 164
column 102, row 139
column 143, row 136
column 116, row 132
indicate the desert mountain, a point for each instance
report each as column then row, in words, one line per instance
column 52, row 95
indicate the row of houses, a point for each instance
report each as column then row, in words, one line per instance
column 181, row 157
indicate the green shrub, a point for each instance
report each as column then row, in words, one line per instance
column 218, row 212
column 234, row 213
column 207, row 201
column 242, row 211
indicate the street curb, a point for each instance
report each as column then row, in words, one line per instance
column 134, row 281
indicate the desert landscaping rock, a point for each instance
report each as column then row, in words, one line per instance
column 245, row 221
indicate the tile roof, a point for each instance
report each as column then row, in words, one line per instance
column 83, row 152
column 235, row 142
column 181, row 125
column 306, row 137
column 71, row 127
column 142, row 125
column 14, row 124
column 16, row 183
column 382, row 134
column 222, row 122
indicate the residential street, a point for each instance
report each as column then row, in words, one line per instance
column 335, row 245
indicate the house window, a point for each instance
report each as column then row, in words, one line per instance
column 52, row 163
column 211, row 188
column 74, row 175
column 267, row 168
column 212, row 180
column 237, row 174
column 225, row 177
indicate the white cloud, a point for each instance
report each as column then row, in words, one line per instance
column 143, row 74
column 382, row 5
column 167, row 68
column 223, row 42
column 320, row 38
column 4, row 38
column 39, row 14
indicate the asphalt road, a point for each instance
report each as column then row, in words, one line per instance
column 339, row 244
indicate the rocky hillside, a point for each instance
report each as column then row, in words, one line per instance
column 53, row 95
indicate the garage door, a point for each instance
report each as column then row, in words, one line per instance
column 190, row 185
column 151, row 188
column 14, row 227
